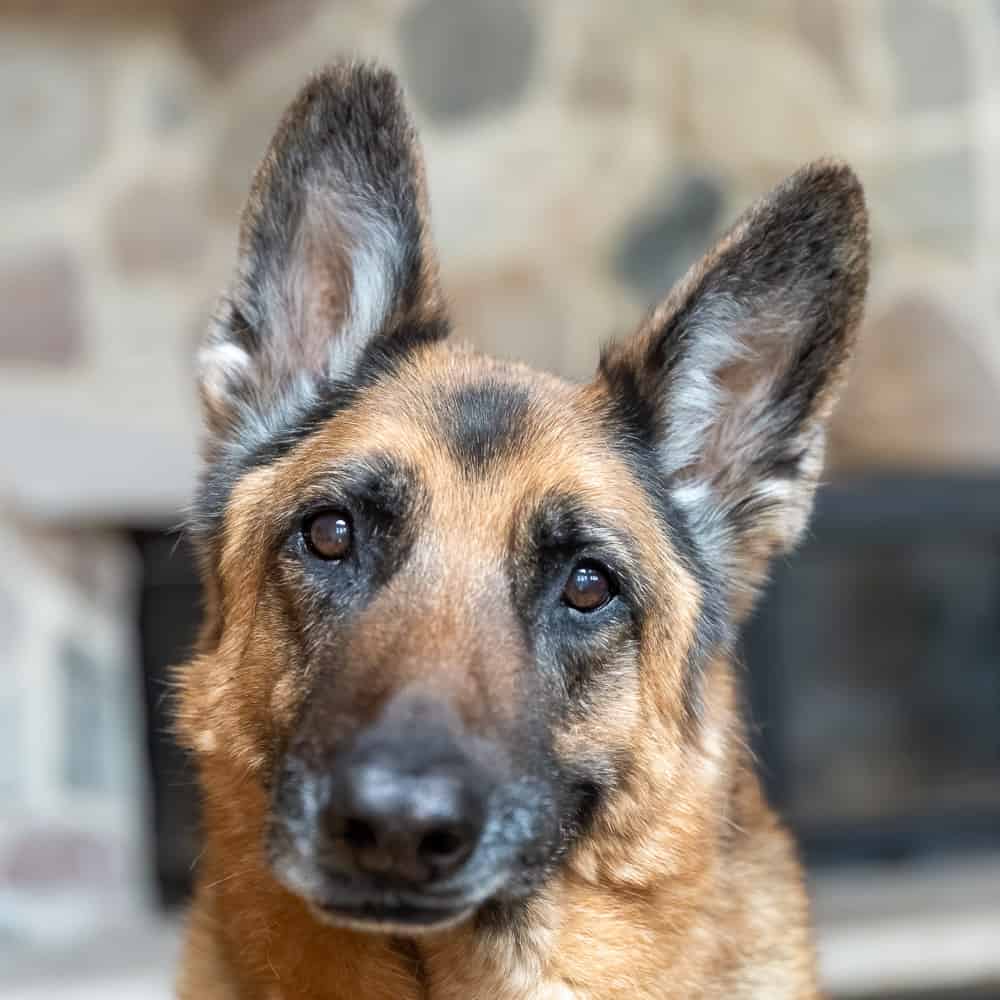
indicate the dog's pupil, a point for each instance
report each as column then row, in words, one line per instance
column 329, row 536
column 588, row 588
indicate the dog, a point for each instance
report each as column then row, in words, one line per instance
column 465, row 707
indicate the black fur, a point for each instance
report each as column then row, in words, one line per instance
column 631, row 425
column 483, row 422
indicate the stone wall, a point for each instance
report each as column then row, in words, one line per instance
column 580, row 154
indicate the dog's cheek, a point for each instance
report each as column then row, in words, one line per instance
column 604, row 703
column 256, row 688
column 596, row 739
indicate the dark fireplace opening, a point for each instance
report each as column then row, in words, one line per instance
column 874, row 672
column 872, row 668
column 169, row 617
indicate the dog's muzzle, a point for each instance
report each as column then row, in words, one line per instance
column 413, row 825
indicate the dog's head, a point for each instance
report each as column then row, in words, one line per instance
column 460, row 611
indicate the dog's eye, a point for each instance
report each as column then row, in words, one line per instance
column 329, row 535
column 588, row 588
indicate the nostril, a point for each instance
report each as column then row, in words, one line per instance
column 359, row 835
column 443, row 845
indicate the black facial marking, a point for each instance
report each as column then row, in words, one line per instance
column 571, row 648
column 483, row 422
column 561, row 531
column 383, row 498
column 629, row 401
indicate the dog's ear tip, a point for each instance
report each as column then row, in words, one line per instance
column 351, row 80
column 829, row 174
column 832, row 186
column 344, row 94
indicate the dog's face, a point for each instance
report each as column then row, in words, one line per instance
column 460, row 610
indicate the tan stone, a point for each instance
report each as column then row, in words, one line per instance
column 40, row 298
column 745, row 97
column 225, row 34
column 512, row 314
column 158, row 227
column 918, row 397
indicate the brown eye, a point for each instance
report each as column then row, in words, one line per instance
column 588, row 588
column 329, row 536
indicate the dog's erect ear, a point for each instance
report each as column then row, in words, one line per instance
column 334, row 252
column 732, row 378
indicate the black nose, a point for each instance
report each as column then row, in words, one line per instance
column 408, row 823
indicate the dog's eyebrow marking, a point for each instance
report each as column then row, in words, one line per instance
column 560, row 525
column 379, row 484
column 561, row 521
column 483, row 422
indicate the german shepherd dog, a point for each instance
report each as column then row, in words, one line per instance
column 464, row 706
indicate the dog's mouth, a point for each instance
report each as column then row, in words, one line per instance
column 382, row 908
column 381, row 913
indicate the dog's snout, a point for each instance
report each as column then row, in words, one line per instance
column 403, row 803
column 387, row 818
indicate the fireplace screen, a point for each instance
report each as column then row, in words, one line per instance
column 874, row 665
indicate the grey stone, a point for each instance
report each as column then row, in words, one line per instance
column 41, row 303
column 931, row 200
column 82, row 731
column 52, row 114
column 11, row 761
column 466, row 57
column 932, row 61
column 170, row 91
column 666, row 238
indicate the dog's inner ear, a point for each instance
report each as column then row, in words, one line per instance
column 730, row 381
column 333, row 252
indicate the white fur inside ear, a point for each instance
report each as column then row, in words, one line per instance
column 341, row 282
column 696, row 397
column 221, row 364
column 375, row 266
column 312, row 306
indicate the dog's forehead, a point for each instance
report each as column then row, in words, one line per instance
column 487, row 441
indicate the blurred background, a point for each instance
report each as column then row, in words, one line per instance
column 581, row 153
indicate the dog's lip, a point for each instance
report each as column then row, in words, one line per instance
column 377, row 913
column 374, row 905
